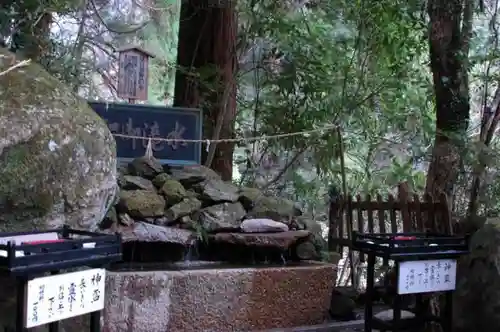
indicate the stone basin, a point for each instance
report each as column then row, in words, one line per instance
column 196, row 296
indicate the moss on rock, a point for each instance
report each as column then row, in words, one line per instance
column 57, row 156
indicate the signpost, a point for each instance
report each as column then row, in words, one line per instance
column 144, row 121
column 424, row 263
column 54, row 298
column 133, row 73
column 48, row 299
column 438, row 275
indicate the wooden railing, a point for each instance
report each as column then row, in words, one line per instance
column 377, row 215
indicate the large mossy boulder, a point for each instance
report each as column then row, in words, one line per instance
column 477, row 296
column 57, row 156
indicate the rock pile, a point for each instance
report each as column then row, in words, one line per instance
column 192, row 205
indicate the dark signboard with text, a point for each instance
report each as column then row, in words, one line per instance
column 155, row 122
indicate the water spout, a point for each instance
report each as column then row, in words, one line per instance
column 283, row 260
column 191, row 252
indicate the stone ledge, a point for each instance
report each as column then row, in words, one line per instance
column 242, row 299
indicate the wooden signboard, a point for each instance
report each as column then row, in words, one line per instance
column 54, row 298
column 155, row 122
column 133, row 73
column 427, row 276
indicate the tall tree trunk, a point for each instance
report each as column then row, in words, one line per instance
column 448, row 55
column 206, row 75
column 449, row 46
column 489, row 121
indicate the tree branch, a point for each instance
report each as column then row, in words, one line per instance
column 16, row 66
column 285, row 169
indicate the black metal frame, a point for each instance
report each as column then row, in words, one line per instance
column 53, row 257
column 387, row 247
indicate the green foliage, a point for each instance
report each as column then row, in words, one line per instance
column 161, row 39
column 358, row 64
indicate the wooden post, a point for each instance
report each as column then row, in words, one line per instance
column 445, row 214
column 404, row 194
column 361, row 222
column 334, row 220
column 348, row 205
column 430, row 218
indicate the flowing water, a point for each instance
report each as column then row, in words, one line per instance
column 197, row 265
column 191, row 253
column 190, row 257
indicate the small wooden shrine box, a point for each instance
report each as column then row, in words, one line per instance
column 133, row 73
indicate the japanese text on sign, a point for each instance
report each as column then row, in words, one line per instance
column 58, row 297
column 149, row 130
column 132, row 77
column 146, row 121
column 427, row 276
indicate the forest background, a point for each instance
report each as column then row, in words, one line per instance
column 412, row 85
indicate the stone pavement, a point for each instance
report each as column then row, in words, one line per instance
column 350, row 326
column 381, row 311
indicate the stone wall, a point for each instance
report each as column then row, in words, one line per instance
column 218, row 300
column 213, row 300
column 200, row 216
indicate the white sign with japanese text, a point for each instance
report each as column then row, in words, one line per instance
column 427, row 276
column 62, row 296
